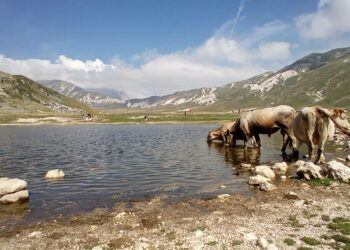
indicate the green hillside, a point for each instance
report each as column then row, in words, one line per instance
column 21, row 94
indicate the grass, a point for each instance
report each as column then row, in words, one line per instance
column 344, row 228
column 321, row 182
column 212, row 243
column 325, row 217
column 236, row 242
column 310, row 241
column 171, row 236
column 289, row 241
column 304, row 248
column 293, row 221
column 167, row 117
column 341, row 238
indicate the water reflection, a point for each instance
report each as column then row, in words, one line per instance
column 237, row 155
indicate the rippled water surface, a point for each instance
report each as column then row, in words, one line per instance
column 105, row 164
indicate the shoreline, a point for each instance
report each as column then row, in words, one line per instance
column 228, row 222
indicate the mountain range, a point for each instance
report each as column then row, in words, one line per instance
column 94, row 97
column 316, row 79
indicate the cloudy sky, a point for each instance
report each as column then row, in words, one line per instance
column 156, row 47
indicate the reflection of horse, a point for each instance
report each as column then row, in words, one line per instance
column 237, row 155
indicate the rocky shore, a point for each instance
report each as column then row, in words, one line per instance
column 315, row 217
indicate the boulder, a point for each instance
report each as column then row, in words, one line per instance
column 15, row 197
column 55, row 174
column 265, row 171
column 299, row 163
column 338, row 170
column 309, row 171
column 280, row 167
column 8, row 186
column 257, row 180
column 267, row 187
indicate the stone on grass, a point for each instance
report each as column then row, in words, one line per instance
column 257, row 180
column 55, row 174
column 8, row 186
column 280, row 167
column 15, row 197
column 267, row 187
column 338, row 170
column 309, row 171
column 265, row 171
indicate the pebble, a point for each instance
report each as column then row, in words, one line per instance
column 299, row 203
column 347, row 158
column 246, row 166
column 120, row 215
column 283, row 178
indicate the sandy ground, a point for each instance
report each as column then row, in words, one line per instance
column 232, row 222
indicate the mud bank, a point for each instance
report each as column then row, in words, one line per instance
column 229, row 222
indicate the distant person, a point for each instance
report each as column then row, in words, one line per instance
column 145, row 119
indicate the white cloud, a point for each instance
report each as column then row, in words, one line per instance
column 274, row 51
column 217, row 61
column 331, row 19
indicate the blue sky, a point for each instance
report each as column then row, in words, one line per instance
column 157, row 47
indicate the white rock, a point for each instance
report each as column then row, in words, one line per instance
column 257, row 180
column 250, row 237
column 120, row 215
column 8, row 186
column 299, row 163
column 100, row 247
column 280, row 167
column 54, row 174
column 223, row 196
column 299, row 203
column 272, row 247
column 246, row 166
column 283, row 178
column 267, row 187
column 15, row 197
column 309, row 171
column 35, row 234
column 198, row 233
column 262, row 242
column 265, row 171
column 338, row 171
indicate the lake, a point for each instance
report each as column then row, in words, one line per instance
column 105, row 164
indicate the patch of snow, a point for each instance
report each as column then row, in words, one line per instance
column 268, row 84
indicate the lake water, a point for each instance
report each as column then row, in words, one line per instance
column 105, row 164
